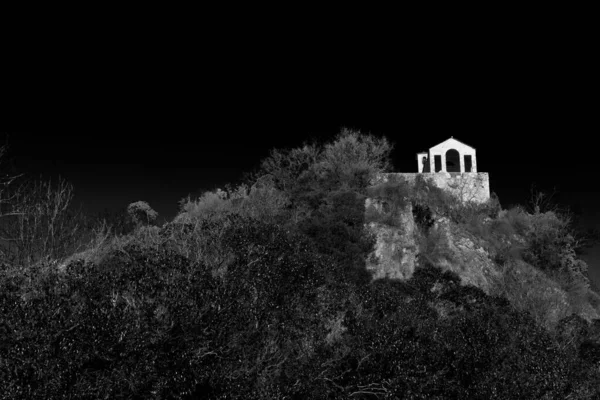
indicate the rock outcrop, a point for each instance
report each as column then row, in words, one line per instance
column 396, row 247
column 401, row 244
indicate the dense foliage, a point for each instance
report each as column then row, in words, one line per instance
column 260, row 292
column 278, row 324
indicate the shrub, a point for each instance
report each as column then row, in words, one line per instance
column 552, row 247
column 549, row 240
column 397, row 346
column 264, row 202
column 209, row 204
column 353, row 159
column 386, row 202
column 141, row 214
column 444, row 204
column 530, row 290
column 396, row 193
column 576, row 288
column 383, row 212
column 260, row 201
column 518, row 220
column 39, row 222
column 502, row 227
column 423, row 217
column 347, row 162
column 426, row 194
column 337, row 228
column 148, row 323
column 571, row 331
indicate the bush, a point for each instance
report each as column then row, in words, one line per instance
column 151, row 324
column 39, row 222
column 141, row 214
column 386, row 202
column 350, row 161
column 532, row 291
column 444, row 204
column 353, row 159
column 571, row 331
column 260, row 201
column 394, row 192
column 337, row 228
column 551, row 244
column 423, row 217
column 398, row 346
column 518, row 220
column 576, row 288
column 148, row 323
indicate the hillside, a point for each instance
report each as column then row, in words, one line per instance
column 527, row 258
column 313, row 280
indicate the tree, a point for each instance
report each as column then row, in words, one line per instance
column 353, row 159
column 6, row 181
column 39, row 222
column 325, row 185
column 349, row 161
column 141, row 214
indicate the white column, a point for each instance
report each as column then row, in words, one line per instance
column 462, row 162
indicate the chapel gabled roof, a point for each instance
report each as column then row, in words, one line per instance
column 452, row 137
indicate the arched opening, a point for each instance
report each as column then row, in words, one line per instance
column 452, row 161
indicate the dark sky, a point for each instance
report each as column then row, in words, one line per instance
column 156, row 152
column 162, row 163
column 160, row 118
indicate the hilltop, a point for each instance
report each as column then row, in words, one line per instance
column 323, row 276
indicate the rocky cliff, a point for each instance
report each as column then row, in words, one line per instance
column 482, row 248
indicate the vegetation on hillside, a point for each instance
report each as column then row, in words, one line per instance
column 260, row 292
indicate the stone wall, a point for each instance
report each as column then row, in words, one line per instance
column 467, row 186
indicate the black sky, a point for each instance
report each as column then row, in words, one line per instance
column 162, row 164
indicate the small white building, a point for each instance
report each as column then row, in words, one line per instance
column 449, row 156
column 452, row 167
